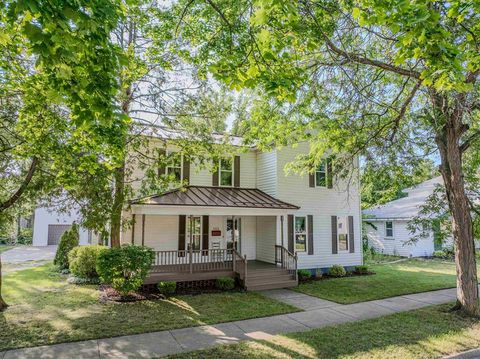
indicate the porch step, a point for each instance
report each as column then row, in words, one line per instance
column 272, row 285
column 269, row 278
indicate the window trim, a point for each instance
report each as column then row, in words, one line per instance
column 347, row 250
column 324, row 171
column 295, row 234
column 168, row 153
column 232, row 160
column 393, row 230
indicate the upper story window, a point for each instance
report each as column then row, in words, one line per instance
column 225, row 173
column 321, row 175
column 174, row 166
column 342, row 233
column 388, row 229
column 300, row 234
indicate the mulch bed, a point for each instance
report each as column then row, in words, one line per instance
column 150, row 292
column 326, row 277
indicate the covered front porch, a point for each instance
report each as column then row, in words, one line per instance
column 200, row 240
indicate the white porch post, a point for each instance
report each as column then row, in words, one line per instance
column 190, row 255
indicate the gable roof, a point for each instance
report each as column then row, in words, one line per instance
column 407, row 207
column 203, row 196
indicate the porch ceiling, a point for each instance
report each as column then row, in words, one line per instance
column 225, row 197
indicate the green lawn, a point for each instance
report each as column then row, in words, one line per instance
column 431, row 332
column 45, row 310
column 4, row 248
column 405, row 277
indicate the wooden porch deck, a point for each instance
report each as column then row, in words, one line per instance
column 186, row 266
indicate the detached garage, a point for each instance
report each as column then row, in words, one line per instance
column 49, row 225
column 55, row 231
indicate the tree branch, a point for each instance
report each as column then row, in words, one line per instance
column 404, row 109
column 16, row 196
column 467, row 143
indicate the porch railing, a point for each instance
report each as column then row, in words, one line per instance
column 240, row 265
column 286, row 259
column 189, row 261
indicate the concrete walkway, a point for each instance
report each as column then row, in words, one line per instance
column 318, row 313
column 28, row 253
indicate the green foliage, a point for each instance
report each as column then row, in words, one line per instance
column 68, row 241
column 445, row 253
column 362, row 269
column 304, row 274
column 125, row 268
column 167, row 288
column 384, row 182
column 83, row 261
column 337, row 271
column 225, row 283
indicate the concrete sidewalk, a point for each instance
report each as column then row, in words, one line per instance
column 318, row 313
column 22, row 254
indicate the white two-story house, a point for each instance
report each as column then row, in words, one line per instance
column 246, row 217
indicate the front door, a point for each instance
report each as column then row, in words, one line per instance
column 233, row 233
column 194, row 233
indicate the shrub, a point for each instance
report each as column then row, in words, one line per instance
column 337, row 271
column 445, row 253
column 303, row 274
column 68, row 241
column 363, row 269
column 167, row 288
column 125, row 268
column 83, row 261
column 225, row 283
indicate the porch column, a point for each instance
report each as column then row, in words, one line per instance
column 190, row 249
column 279, row 231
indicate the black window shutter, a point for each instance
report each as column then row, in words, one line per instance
column 351, row 235
column 310, row 233
column 311, row 179
column 143, row 229
column 133, row 228
column 329, row 173
column 334, row 235
column 236, row 171
column 186, row 170
column 182, row 223
column 215, row 175
column 161, row 161
column 290, row 230
column 205, row 225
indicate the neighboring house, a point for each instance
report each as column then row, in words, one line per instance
column 387, row 225
column 50, row 224
column 247, row 219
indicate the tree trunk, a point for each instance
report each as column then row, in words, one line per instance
column 3, row 305
column 448, row 142
column 119, row 197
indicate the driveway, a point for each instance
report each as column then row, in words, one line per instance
column 28, row 253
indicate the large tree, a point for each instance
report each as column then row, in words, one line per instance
column 58, row 117
column 352, row 77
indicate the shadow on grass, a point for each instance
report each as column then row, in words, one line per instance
column 425, row 333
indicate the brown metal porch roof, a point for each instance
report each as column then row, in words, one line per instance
column 202, row 196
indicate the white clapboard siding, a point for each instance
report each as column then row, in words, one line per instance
column 267, row 172
column 266, row 238
column 322, row 203
column 249, row 237
column 401, row 243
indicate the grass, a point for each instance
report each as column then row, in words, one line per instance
column 405, row 277
column 46, row 310
column 4, row 248
column 430, row 332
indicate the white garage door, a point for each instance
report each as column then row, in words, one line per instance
column 55, row 231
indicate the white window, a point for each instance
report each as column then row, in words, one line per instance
column 321, row 175
column 174, row 166
column 342, row 233
column 389, row 229
column 225, row 173
column 301, row 234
